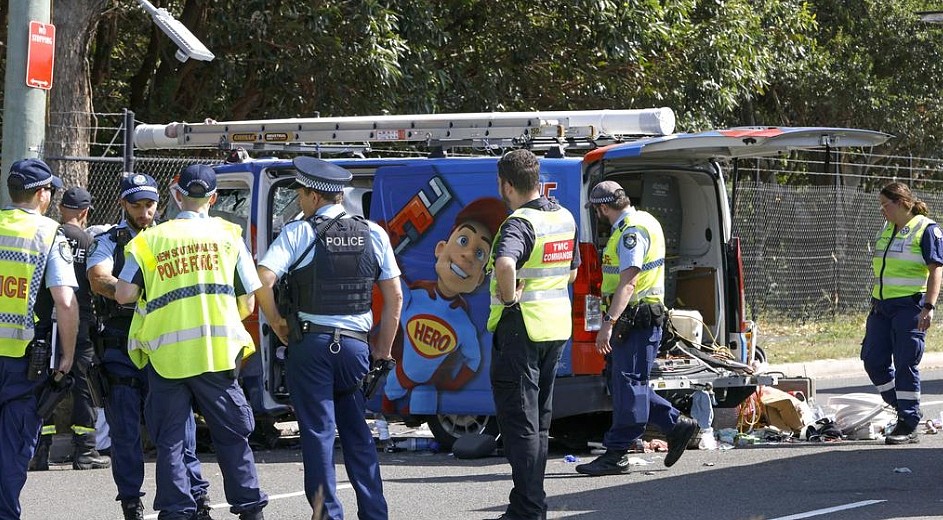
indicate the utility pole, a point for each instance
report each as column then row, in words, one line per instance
column 24, row 108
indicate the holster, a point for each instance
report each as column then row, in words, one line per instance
column 294, row 328
column 98, row 384
column 649, row 315
column 288, row 309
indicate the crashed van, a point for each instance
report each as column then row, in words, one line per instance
column 443, row 349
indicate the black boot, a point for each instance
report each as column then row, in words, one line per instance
column 132, row 509
column 203, row 508
column 679, row 437
column 253, row 515
column 88, row 458
column 902, row 434
column 40, row 460
column 613, row 462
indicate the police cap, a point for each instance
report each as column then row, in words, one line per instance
column 139, row 186
column 197, row 181
column 320, row 175
column 76, row 197
column 29, row 174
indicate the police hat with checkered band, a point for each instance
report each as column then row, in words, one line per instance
column 320, row 175
column 139, row 186
column 197, row 181
column 30, row 174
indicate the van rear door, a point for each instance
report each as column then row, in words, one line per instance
column 680, row 180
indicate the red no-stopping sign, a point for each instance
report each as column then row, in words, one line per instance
column 40, row 55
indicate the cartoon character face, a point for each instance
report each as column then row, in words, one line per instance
column 460, row 261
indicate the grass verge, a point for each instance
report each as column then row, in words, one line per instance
column 787, row 341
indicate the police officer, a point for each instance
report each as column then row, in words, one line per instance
column 192, row 278
column 127, row 384
column 32, row 251
column 334, row 261
column 633, row 288
column 73, row 215
column 907, row 264
column 534, row 258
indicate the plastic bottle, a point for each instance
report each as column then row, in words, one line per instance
column 417, row 444
column 383, row 431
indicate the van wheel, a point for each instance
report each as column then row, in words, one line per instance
column 447, row 428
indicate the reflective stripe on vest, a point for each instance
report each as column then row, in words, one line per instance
column 545, row 299
column 650, row 283
column 25, row 241
column 190, row 324
column 899, row 267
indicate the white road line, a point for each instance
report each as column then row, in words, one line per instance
column 827, row 510
column 270, row 498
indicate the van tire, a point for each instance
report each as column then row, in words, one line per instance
column 447, row 428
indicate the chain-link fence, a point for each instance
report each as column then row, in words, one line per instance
column 105, row 175
column 807, row 249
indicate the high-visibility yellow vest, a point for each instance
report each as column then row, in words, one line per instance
column 189, row 324
column 898, row 263
column 545, row 300
column 25, row 241
column 650, row 284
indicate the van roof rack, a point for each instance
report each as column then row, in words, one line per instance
column 536, row 130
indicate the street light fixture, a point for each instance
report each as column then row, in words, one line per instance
column 188, row 45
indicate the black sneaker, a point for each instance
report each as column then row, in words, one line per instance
column 678, row 439
column 132, row 509
column 902, row 434
column 613, row 462
column 203, row 508
column 89, row 459
column 40, row 460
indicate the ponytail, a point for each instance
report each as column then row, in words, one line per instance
column 920, row 208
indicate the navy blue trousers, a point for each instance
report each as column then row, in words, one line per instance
column 221, row 401
column 522, row 378
column 634, row 403
column 124, row 408
column 891, row 352
column 325, row 392
column 19, row 431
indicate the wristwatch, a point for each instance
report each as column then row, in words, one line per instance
column 929, row 306
column 608, row 318
column 511, row 303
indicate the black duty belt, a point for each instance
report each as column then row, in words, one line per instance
column 307, row 326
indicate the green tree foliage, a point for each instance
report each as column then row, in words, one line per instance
column 286, row 58
column 860, row 63
column 878, row 66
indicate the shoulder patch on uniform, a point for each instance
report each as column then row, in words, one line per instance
column 937, row 233
column 92, row 248
column 629, row 240
column 65, row 251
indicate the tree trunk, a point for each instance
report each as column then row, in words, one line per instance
column 68, row 127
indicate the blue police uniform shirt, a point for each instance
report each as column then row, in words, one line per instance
column 631, row 256
column 59, row 269
column 296, row 236
column 104, row 250
column 247, row 278
column 931, row 244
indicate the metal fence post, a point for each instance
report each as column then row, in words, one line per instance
column 128, row 141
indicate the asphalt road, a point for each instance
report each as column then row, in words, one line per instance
column 860, row 480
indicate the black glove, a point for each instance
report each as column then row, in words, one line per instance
column 52, row 392
column 376, row 377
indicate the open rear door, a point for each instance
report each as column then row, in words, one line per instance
column 738, row 142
